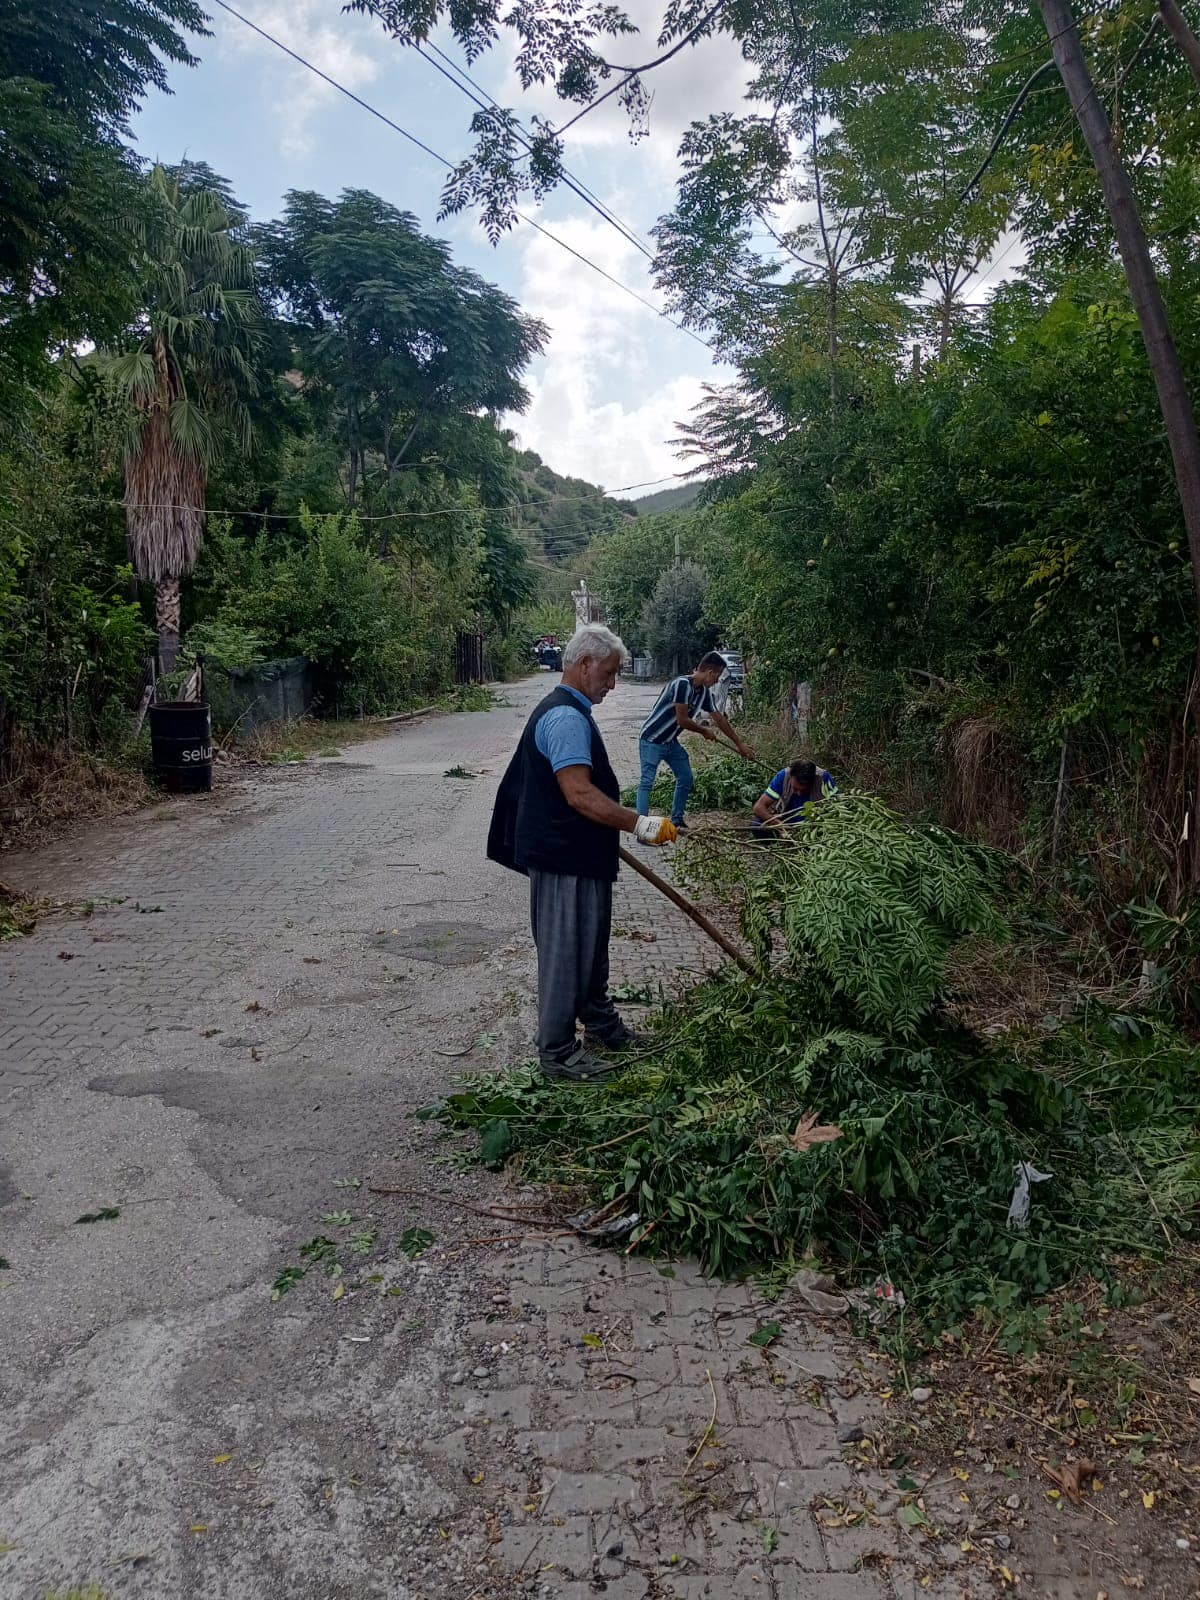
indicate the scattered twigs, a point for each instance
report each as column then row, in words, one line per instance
column 712, row 1423
column 407, row 716
column 621, row 1137
column 517, row 1238
column 641, row 1238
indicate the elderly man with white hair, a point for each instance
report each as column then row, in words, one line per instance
column 558, row 819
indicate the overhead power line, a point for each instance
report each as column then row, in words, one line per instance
column 467, row 85
column 450, row 167
column 514, row 506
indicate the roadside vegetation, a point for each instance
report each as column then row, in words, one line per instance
column 259, row 439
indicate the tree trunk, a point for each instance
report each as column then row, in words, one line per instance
column 1173, row 398
column 352, row 429
column 166, row 620
column 1184, row 37
column 946, row 322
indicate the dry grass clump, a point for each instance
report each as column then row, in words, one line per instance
column 45, row 788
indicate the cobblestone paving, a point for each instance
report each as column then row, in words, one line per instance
column 229, row 1048
column 188, row 892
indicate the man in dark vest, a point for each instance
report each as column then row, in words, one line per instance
column 558, row 819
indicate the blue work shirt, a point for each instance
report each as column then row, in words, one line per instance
column 564, row 735
column 794, row 808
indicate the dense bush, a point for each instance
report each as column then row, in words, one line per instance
column 377, row 633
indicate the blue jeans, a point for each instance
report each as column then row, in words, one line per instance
column 676, row 757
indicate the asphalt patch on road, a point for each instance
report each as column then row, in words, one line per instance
column 444, row 944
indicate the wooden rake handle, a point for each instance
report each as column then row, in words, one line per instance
column 688, row 909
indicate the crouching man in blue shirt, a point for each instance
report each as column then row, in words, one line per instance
column 558, row 819
column 789, row 794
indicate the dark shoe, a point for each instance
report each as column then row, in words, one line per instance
column 680, row 826
column 582, row 1067
column 617, row 1043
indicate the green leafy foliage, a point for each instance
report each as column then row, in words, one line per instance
column 673, row 622
column 723, row 783
column 372, row 631
column 415, row 1241
column 870, row 905
column 700, row 1136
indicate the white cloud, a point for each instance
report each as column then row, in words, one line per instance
column 706, row 77
column 322, row 36
column 602, row 406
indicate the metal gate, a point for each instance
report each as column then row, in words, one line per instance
column 469, row 658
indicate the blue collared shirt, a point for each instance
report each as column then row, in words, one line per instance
column 564, row 735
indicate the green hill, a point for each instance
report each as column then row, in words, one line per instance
column 680, row 499
column 566, row 514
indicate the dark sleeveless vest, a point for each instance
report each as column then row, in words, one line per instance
column 532, row 824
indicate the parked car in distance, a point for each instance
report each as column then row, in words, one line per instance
column 732, row 682
column 735, row 670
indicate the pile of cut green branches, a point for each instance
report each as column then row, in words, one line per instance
column 831, row 1109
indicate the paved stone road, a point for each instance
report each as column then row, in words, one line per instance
column 228, row 1050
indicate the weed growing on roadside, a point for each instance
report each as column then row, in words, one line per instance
column 726, row 783
column 472, row 697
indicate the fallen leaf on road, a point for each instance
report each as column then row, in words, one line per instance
column 105, row 1214
column 219, row 1461
column 339, row 1291
column 198, row 1527
column 1071, row 1477
column 1148, row 1499
column 810, row 1132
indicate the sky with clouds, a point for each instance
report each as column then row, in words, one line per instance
column 615, row 379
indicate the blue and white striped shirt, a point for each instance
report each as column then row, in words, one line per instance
column 662, row 726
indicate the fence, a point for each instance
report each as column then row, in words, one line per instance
column 252, row 698
column 469, row 662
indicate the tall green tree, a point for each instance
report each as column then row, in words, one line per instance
column 186, row 370
column 674, row 625
column 71, row 212
column 400, row 339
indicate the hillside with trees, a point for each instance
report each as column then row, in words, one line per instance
column 680, row 499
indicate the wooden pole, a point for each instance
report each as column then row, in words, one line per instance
column 1165, row 366
column 688, row 909
column 1184, row 37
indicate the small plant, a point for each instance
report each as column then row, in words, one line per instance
column 415, row 1241
column 18, row 917
column 458, row 772
column 285, row 1281
column 472, row 697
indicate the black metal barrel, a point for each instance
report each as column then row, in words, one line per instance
column 181, row 745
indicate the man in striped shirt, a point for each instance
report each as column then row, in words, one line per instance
column 675, row 712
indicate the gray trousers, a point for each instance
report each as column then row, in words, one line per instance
column 572, row 921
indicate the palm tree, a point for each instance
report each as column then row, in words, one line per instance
column 186, row 372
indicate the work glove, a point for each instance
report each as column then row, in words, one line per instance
column 655, row 830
